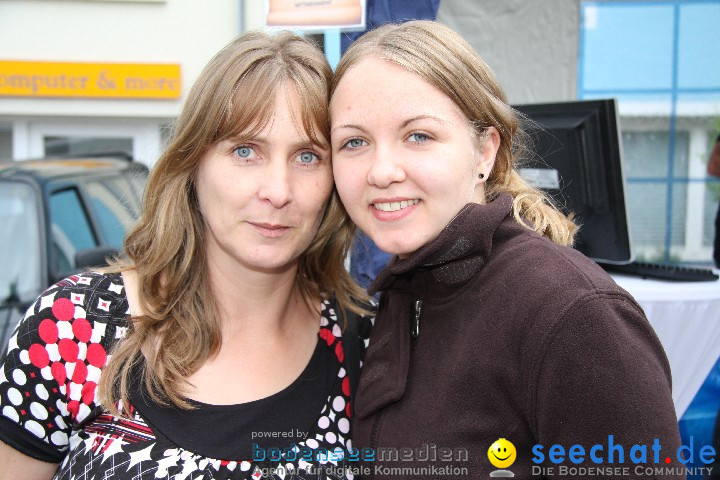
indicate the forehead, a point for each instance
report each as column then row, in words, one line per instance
column 255, row 117
column 375, row 86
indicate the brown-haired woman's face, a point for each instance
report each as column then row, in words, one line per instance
column 405, row 159
column 262, row 196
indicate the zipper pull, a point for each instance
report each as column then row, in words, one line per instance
column 415, row 320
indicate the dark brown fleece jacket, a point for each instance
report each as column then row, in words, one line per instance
column 518, row 338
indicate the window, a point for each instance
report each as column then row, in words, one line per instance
column 115, row 206
column 20, row 262
column 653, row 57
column 70, row 230
column 55, row 146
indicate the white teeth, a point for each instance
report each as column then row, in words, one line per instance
column 395, row 206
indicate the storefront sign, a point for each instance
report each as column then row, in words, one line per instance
column 89, row 80
column 316, row 14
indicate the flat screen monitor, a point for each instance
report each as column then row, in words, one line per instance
column 576, row 157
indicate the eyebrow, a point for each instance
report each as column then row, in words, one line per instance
column 309, row 144
column 424, row 117
column 348, row 125
column 402, row 125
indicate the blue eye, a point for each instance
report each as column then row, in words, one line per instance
column 245, row 152
column 307, row 158
column 354, row 143
column 419, row 137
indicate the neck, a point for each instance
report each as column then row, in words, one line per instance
column 251, row 300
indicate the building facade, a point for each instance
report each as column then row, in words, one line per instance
column 657, row 57
column 96, row 75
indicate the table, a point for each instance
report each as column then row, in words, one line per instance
column 686, row 318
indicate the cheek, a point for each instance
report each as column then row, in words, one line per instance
column 203, row 194
column 349, row 181
column 318, row 192
column 327, row 183
column 458, row 179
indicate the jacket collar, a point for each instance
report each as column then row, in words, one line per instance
column 458, row 254
column 460, row 251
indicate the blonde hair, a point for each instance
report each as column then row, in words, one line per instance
column 445, row 60
column 179, row 329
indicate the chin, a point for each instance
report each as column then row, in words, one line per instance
column 271, row 267
column 396, row 247
column 267, row 262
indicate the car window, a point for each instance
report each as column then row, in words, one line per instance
column 115, row 206
column 138, row 181
column 20, row 259
column 70, row 229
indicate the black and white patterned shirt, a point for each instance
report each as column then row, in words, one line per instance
column 49, row 407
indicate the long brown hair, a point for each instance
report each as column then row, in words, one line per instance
column 179, row 328
column 445, row 60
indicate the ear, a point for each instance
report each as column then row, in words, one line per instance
column 487, row 148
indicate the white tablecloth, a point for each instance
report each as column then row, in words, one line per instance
column 686, row 318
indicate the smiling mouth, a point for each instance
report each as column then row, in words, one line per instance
column 395, row 206
column 502, row 459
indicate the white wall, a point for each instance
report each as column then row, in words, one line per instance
column 531, row 45
column 187, row 32
column 253, row 14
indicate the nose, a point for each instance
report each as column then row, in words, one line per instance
column 386, row 167
column 275, row 186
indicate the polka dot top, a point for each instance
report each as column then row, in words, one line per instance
column 49, row 408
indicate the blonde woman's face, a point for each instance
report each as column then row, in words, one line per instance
column 405, row 160
column 262, row 197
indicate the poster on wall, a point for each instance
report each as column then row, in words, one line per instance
column 315, row 15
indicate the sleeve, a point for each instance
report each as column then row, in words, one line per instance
column 52, row 363
column 602, row 378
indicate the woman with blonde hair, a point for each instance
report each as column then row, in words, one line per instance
column 216, row 349
column 495, row 343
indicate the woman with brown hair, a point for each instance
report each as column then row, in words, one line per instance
column 491, row 331
column 216, row 349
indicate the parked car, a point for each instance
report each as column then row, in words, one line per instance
column 58, row 216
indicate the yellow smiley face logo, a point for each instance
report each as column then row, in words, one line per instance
column 502, row 453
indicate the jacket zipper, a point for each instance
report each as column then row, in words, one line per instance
column 415, row 320
column 414, row 333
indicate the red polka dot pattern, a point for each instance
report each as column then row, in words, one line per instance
column 58, row 372
column 63, row 309
column 73, row 406
column 64, row 355
column 96, row 355
column 82, row 330
column 88, row 392
column 80, row 373
column 48, row 331
column 68, row 350
column 39, row 356
column 327, row 335
column 339, row 352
